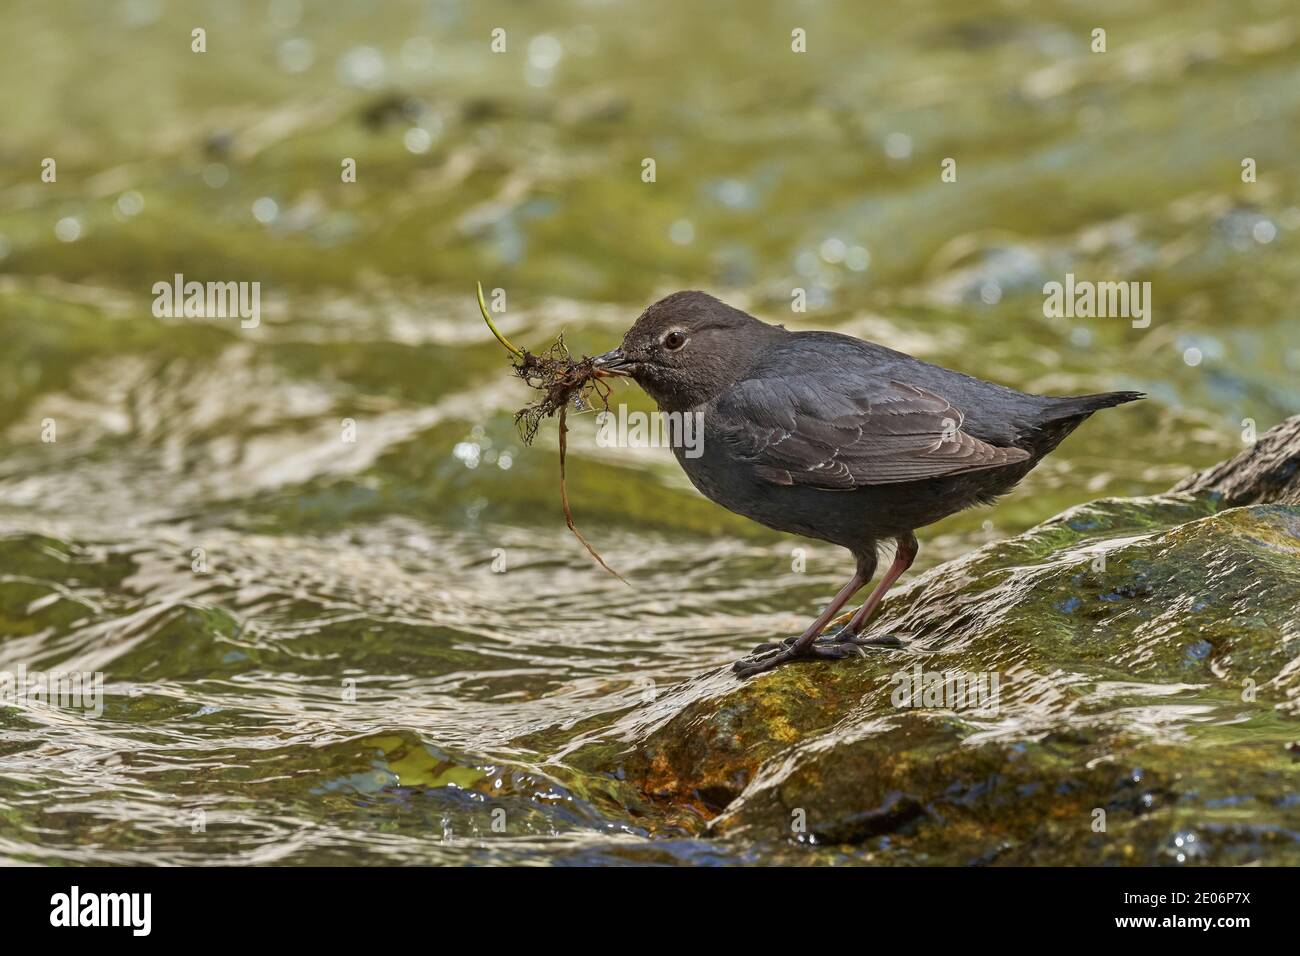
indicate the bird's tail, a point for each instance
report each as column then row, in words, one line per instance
column 1063, row 415
column 1087, row 404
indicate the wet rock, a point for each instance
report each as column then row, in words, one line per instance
column 1119, row 684
column 1267, row 471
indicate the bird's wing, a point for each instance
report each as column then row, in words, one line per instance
column 810, row 431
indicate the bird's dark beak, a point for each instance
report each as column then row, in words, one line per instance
column 611, row 363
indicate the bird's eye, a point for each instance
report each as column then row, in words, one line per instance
column 674, row 340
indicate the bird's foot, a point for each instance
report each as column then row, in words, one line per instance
column 844, row 636
column 838, row 646
column 784, row 653
column 839, row 637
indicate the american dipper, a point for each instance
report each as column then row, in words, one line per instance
column 833, row 438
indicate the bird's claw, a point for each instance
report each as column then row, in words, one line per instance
column 840, row 637
column 784, row 653
column 769, row 656
column 877, row 640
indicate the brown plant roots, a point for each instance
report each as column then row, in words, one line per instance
column 563, row 382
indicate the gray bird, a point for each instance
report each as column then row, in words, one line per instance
column 830, row 437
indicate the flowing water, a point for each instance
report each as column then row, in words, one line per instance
column 336, row 612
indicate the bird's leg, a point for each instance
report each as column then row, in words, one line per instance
column 768, row 656
column 903, row 558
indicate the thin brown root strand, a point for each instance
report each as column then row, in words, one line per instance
column 564, row 500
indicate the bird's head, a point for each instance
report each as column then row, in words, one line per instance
column 687, row 348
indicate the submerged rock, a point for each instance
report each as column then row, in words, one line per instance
column 1120, row 684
